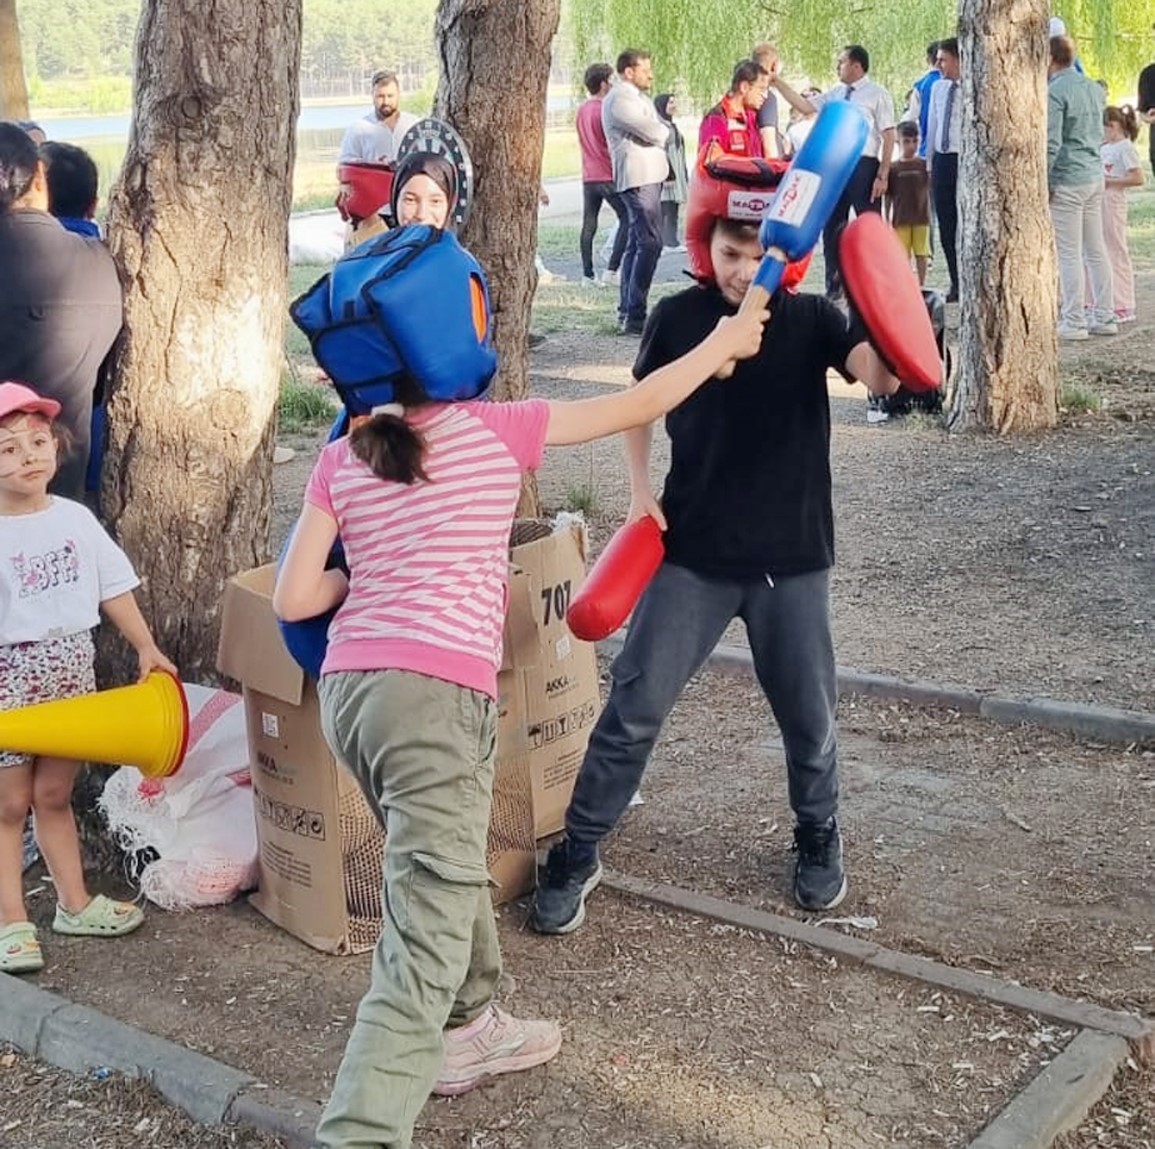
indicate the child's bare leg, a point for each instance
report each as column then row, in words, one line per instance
column 15, row 802
column 920, row 267
column 52, row 782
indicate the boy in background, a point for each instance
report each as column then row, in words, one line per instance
column 72, row 186
column 908, row 199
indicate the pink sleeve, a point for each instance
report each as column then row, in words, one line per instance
column 317, row 489
column 520, row 426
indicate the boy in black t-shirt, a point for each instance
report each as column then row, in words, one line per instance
column 749, row 534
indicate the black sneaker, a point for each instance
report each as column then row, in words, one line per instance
column 819, row 881
column 571, row 873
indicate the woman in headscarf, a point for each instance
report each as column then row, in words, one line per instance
column 674, row 188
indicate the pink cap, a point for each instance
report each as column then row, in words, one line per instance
column 16, row 397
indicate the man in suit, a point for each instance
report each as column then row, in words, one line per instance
column 944, row 129
column 637, row 137
column 867, row 184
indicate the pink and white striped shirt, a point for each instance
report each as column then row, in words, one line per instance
column 429, row 561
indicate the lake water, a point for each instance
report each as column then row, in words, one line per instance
column 312, row 118
column 77, row 129
column 319, row 131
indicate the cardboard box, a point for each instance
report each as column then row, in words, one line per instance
column 320, row 844
column 548, row 685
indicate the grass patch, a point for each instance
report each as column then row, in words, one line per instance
column 1079, row 400
column 303, row 406
column 1141, row 228
column 581, row 498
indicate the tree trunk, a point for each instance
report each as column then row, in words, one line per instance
column 13, row 89
column 199, row 228
column 1008, row 373
column 495, row 59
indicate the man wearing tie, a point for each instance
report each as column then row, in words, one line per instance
column 867, row 185
column 943, row 129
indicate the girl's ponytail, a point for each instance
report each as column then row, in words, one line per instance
column 389, row 446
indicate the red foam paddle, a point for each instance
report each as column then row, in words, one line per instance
column 886, row 294
column 616, row 580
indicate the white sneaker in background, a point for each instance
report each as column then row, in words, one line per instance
column 611, row 278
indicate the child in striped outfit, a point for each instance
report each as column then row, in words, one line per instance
column 423, row 496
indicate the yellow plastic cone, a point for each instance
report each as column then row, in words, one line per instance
column 145, row 726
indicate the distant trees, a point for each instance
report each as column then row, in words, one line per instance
column 343, row 42
column 696, row 44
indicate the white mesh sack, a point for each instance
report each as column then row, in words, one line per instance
column 191, row 839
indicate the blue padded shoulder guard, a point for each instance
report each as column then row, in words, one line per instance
column 412, row 302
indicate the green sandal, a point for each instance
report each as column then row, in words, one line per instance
column 101, row 918
column 19, row 949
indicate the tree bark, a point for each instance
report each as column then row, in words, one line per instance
column 13, row 89
column 199, row 229
column 495, row 59
column 1008, row 375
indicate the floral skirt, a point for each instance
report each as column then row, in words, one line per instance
column 44, row 671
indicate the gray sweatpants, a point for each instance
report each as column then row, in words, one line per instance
column 676, row 625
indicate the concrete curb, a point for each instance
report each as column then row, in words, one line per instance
column 1081, row 1015
column 1059, row 1098
column 1056, row 1100
column 1088, row 720
column 80, row 1040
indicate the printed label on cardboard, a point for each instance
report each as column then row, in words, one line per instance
column 291, row 819
column 270, row 727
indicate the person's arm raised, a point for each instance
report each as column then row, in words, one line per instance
column 798, row 102
column 735, row 337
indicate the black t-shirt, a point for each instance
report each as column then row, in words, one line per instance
column 1147, row 99
column 748, row 492
column 1147, row 88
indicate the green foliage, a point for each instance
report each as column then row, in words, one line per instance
column 304, row 405
column 696, row 45
column 1079, row 400
column 582, row 497
column 73, row 47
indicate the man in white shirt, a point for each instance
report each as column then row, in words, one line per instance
column 375, row 138
column 943, row 132
column 867, row 185
column 636, row 137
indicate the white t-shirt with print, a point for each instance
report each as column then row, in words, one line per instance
column 1119, row 157
column 56, row 567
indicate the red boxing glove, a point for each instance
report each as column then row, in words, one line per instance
column 616, row 580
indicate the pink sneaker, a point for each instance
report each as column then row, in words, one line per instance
column 490, row 1045
column 1125, row 315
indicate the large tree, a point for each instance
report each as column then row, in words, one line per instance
column 198, row 225
column 495, row 59
column 1008, row 377
column 13, row 89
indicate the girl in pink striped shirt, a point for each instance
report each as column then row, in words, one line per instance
column 423, row 497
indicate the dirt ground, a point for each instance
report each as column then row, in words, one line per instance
column 1024, row 566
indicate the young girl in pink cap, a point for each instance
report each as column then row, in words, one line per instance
column 58, row 571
